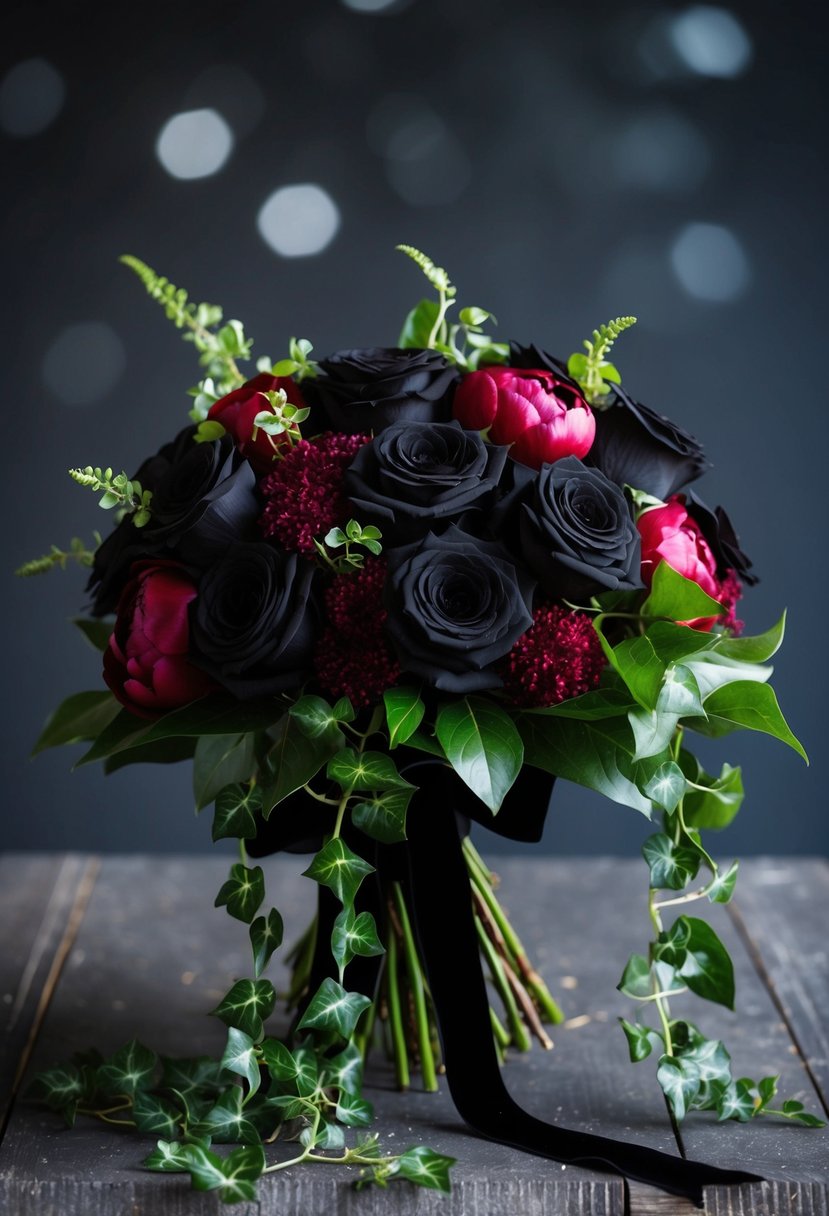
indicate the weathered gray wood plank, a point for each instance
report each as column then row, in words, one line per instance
column 41, row 901
column 783, row 911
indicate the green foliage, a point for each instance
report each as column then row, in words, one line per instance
column 265, row 936
column 482, row 743
column 77, row 552
column 220, row 761
column 243, row 892
column 334, row 1009
column 297, row 365
column 79, row 718
column 592, row 371
column 130, row 1069
column 404, row 713
column 118, row 491
column 236, row 810
column 383, row 815
column 354, row 534
column 246, row 1006
column 337, row 867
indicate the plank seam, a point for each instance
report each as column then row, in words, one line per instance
column 764, row 974
column 80, row 902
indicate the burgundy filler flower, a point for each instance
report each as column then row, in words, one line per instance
column 146, row 663
column 559, row 657
column 353, row 658
column 305, row 491
column 543, row 416
column 237, row 410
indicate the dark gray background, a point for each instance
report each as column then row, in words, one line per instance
column 550, row 157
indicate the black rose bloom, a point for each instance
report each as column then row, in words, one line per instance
column 637, row 447
column 203, row 500
column 415, row 475
column 367, row 390
column 254, row 622
column 455, row 606
column 723, row 541
column 575, row 530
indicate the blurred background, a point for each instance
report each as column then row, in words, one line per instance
column 566, row 163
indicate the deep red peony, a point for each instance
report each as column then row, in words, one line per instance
column 146, row 663
column 238, row 409
column 542, row 417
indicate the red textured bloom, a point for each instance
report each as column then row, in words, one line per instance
column 353, row 658
column 731, row 590
column 305, row 491
column 559, row 657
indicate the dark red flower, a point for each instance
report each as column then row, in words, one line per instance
column 305, row 490
column 353, row 658
column 238, row 409
column 559, row 657
column 146, row 663
column 543, row 416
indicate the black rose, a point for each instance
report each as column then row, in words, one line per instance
column 366, row 390
column 634, row 445
column 455, row 606
column 415, row 475
column 723, row 541
column 254, row 622
column 576, row 531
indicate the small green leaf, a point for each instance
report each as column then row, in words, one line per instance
column 80, row 717
column 227, row 1121
column 235, row 812
column 425, row 1167
column 334, row 1009
column 678, row 598
column 279, row 1060
column 354, row 935
column 671, row 866
column 129, row 1070
column 736, row 1102
column 340, row 869
column 246, row 1005
column 636, row 977
column 483, row 745
column 754, row 706
column 383, row 817
column 318, row 719
column 265, row 937
column 208, row 431
column 220, row 761
column 721, row 889
column 404, row 713
column 199, row 1074
column 707, row 970
column 365, row 771
column 59, row 1086
column 155, row 1115
column 295, row 757
column 679, row 1081
column 639, row 1039
column 243, row 892
column 666, row 788
column 758, row 649
column 307, row 1071
column 168, row 1157
column 345, row 1070
column 716, row 805
column 354, row 1111
column 418, row 325
column 240, row 1057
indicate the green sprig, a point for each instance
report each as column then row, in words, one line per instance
column 354, row 534
column 77, row 552
column 592, row 371
column 118, row 491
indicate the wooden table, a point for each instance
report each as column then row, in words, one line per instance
column 99, row 950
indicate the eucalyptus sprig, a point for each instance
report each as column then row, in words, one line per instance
column 426, row 326
column 118, row 491
column 77, row 552
column 354, row 534
column 219, row 346
column 592, row 371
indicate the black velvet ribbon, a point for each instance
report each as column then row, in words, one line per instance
column 433, row 871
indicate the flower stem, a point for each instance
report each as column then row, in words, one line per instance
column 519, row 1031
column 424, row 1041
column 398, row 1037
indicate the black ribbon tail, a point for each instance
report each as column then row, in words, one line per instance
column 438, row 889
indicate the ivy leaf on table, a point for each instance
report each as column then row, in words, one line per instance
column 246, row 1006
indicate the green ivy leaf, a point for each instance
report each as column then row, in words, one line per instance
column 736, row 1101
column 233, row 1176
column 59, row 1087
column 153, row 1114
column 383, row 817
column 636, row 977
column 652, row 732
column 339, row 869
column 265, row 937
column 354, row 1111
column 235, row 812
column 679, row 1081
column 425, row 1167
column 168, row 1158
column 307, row 1071
column 707, row 969
column 354, row 935
column 680, row 693
column 345, row 1070
column 717, row 804
column 721, row 889
column 294, row 758
column 365, row 771
column 639, row 1039
column 666, row 787
column 404, row 713
column 483, row 745
column 328, row 1136
column 753, row 706
column 319, row 720
column 639, row 666
column 220, row 761
column 80, row 717
column 334, row 1009
column 246, row 1005
column 678, row 598
column 671, row 866
column 240, row 1057
column 279, row 1060
column 243, row 892
column 129, row 1070
column 199, row 1074
column 227, row 1121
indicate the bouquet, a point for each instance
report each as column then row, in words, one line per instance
column 374, row 598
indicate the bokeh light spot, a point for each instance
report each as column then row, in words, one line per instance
column 710, row 263
column 299, row 221
column 84, row 363
column 195, row 143
column 31, row 97
column 661, row 151
column 376, row 6
column 711, row 41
